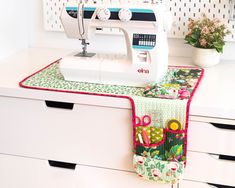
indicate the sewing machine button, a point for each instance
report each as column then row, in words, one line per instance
column 125, row 15
column 103, row 14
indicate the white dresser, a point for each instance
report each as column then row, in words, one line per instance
column 62, row 140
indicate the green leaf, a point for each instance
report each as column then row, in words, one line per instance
column 158, row 165
column 176, row 150
column 152, row 166
column 162, row 167
column 155, row 153
column 183, row 158
column 148, row 169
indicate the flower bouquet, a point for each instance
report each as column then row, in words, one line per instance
column 206, row 34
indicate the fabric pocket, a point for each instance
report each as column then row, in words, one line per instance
column 155, row 134
column 171, row 147
column 166, row 172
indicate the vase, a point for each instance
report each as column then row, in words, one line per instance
column 205, row 57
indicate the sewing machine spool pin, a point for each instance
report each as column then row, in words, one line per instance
column 84, row 52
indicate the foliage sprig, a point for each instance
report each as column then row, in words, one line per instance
column 207, row 33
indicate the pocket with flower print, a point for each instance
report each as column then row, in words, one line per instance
column 166, row 172
column 159, row 152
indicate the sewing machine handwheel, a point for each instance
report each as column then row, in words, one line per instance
column 103, row 14
column 125, row 14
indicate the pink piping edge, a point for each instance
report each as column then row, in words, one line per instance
column 125, row 97
column 187, row 112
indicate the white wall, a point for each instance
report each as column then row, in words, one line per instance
column 116, row 44
column 14, row 26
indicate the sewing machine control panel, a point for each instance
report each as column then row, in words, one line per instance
column 122, row 14
column 144, row 41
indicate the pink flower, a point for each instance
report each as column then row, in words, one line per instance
column 148, row 88
column 217, row 22
column 191, row 24
column 140, row 160
column 204, row 30
column 203, row 42
column 212, row 29
column 173, row 166
column 156, row 172
column 183, row 93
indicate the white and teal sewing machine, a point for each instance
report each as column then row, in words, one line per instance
column 146, row 59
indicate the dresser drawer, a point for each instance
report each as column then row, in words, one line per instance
column 106, row 178
column 210, row 168
column 92, row 135
column 209, row 138
column 99, row 136
column 20, row 172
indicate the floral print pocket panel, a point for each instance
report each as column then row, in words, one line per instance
column 166, row 172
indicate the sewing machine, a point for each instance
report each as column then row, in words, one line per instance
column 146, row 60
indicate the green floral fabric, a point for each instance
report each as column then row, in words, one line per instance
column 177, row 84
column 177, row 78
column 172, row 149
column 159, row 147
column 166, row 172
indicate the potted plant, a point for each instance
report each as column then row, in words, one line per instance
column 207, row 37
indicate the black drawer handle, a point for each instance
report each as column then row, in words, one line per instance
column 59, row 164
column 220, row 186
column 63, row 105
column 227, row 157
column 224, row 126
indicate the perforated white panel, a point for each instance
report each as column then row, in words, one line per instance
column 181, row 11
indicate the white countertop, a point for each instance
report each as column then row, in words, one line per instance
column 213, row 98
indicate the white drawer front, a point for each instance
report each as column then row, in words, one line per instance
column 98, row 136
column 209, row 168
column 204, row 137
column 19, row 172
column 104, row 178
column 16, row 172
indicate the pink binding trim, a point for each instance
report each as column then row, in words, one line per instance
column 131, row 101
column 187, row 112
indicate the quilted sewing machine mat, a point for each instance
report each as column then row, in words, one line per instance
column 160, row 114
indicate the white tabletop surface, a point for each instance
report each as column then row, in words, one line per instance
column 214, row 97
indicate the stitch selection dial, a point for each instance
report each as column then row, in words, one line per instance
column 103, row 14
column 125, row 14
